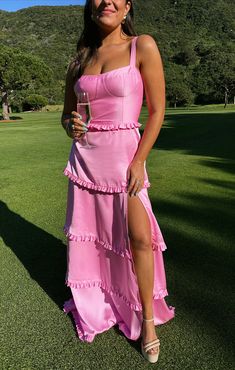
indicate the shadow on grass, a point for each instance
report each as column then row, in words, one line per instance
column 230, row 185
column 12, row 118
column 204, row 134
column 43, row 255
column 202, row 259
column 224, row 165
column 203, row 266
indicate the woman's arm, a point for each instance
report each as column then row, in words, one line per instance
column 70, row 121
column 151, row 69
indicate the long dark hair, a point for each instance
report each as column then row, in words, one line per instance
column 89, row 40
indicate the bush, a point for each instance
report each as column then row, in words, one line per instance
column 34, row 102
column 179, row 94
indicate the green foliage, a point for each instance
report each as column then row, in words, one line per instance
column 34, row 102
column 215, row 75
column 16, row 100
column 185, row 32
column 178, row 90
column 19, row 70
column 49, row 32
column 197, row 37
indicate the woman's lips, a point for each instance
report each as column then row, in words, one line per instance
column 107, row 11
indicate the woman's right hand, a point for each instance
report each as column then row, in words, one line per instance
column 75, row 127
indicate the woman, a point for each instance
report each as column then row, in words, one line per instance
column 115, row 263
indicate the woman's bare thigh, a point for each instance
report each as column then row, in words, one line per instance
column 139, row 227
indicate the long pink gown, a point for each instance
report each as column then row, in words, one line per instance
column 100, row 268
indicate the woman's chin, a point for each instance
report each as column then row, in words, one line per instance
column 107, row 24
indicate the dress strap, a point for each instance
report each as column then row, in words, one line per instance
column 133, row 51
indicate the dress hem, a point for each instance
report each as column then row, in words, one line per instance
column 69, row 306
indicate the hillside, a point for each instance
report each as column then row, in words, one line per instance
column 185, row 31
column 49, row 32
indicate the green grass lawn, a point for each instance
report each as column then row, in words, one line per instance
column 192, row 193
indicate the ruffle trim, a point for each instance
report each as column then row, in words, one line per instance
column 103, row 188
column 111, row 290
column 98, row 125
column 93, row 238
column 156, row 246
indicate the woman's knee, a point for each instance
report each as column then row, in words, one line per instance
column 141, row 243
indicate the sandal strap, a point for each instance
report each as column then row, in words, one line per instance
column 152, row 344
column 151, row 347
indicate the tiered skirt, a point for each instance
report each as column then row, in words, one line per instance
column 100, row 269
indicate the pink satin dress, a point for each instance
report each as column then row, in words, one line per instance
column 100, row 268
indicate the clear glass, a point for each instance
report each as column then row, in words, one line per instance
column 84, row 109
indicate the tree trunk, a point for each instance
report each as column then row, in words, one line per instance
column 225, row 97
column 5, row 106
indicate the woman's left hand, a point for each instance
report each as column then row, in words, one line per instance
column 135, row 177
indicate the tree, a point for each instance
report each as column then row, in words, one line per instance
column 177, row 85
column 20, row 71
column 214, row 77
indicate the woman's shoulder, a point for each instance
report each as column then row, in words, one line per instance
column 145, row 42
column 146, row 47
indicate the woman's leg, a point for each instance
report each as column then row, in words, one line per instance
column 141, row 247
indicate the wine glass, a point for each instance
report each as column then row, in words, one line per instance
column 84, row 109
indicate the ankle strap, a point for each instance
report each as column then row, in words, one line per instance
column 149, row 319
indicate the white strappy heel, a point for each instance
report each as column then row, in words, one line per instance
column 147, row 346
